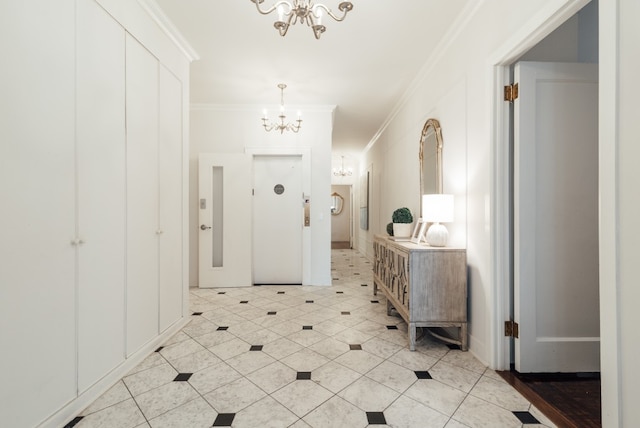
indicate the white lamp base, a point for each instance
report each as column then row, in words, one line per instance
column 437, row 235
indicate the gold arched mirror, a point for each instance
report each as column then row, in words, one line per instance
column 337, row 203
column 430, row 159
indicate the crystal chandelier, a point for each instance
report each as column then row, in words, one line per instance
column 341, row 172
column 271, row 126
column 303, row 11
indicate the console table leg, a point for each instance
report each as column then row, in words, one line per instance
column 412, row 336
column 389, row 307
column 463, row 337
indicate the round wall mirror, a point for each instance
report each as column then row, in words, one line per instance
column 337, row 203
column 430, row 159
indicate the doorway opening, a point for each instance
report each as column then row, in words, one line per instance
column 341, row 216
column 536, row 187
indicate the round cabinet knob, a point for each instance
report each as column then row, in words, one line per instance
column 204, row 227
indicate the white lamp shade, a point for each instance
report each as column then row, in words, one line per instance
column 437, row 208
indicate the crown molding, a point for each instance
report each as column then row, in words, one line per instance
column 167, row 27
column 259, row 108
column 447, row 40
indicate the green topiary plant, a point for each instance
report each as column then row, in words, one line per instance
column 390, row 229
column 402, row 215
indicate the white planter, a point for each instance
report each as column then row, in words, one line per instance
column 402, row 230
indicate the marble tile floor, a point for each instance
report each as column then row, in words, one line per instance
column 292, row 356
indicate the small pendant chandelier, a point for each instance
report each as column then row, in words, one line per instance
column 342, row 172
column 281, row 126
column 303, row 11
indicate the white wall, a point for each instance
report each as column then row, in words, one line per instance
column 455, row 88
column 234, row 129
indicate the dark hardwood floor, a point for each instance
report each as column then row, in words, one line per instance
column 568, row 400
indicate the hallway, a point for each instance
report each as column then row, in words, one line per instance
column 291, row 356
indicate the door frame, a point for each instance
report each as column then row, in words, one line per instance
column 501, row 237
column 351, row 209
column 305, row 154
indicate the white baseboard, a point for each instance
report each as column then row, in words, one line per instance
column 82, row 401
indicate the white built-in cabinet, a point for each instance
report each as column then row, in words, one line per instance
column 92, row 202
column 170, row 212
column 37, row 210
column 142, row 195
column 154, row 195
column 101, row 186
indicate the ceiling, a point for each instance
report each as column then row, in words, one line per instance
column 362, row 65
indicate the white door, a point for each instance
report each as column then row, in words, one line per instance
column 224, row 229
column 278, row 211
column 556, row 218
column 170, row 219
column 101, row 187
column 142, row 194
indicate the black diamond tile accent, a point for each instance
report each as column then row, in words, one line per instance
column 182, row 377
column 222, row 292
column 355, row 347
column 303, row 376
column 308, row 301
column 336, row 279
column 255, row 348
column 160, row 349
column 375, row 301
column 363, row 285
column 271, row 313
column 526, row 418
column 392, row 327
column 376, row 418
column 345, row 313
column 244, row 301
column 280, row 292
column 195, row 314
column 74, row 422
column 224, row 419
column 423, row 375
column 339, row 292
column 452, row 346
column 223, row 328
column 307, row 327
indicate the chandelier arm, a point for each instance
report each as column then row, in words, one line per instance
column 272, row 8
column 282, row 29
column 344, row 9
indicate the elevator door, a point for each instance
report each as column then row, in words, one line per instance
column 277, row 220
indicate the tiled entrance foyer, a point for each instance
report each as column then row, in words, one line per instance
column 288, row 356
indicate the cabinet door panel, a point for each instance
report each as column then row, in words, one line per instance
column 37, row 208
column 101, row 192
column 171, row 181
column 142, row 195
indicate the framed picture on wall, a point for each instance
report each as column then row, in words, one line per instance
column 418, row 231
column 364, row 201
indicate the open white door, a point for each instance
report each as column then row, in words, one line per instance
column 225, row 220
column 556, row 218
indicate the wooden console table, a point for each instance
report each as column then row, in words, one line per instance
column 426, row 285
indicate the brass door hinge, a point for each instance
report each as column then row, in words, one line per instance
column 511, row 329
column 511, row 92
